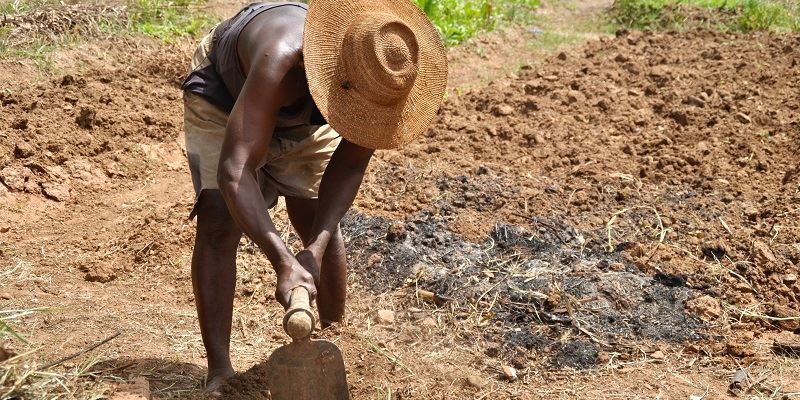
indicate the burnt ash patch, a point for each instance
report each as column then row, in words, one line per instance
column 544, row 276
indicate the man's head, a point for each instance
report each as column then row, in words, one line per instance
column 377, row 69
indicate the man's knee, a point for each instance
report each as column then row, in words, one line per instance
column 215, row 226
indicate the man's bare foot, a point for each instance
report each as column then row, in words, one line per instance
column 215, row 380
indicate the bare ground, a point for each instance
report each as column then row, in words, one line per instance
column 504, row 211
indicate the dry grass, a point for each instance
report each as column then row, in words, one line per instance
column 52, row 23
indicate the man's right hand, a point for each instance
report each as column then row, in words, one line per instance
column 290, row 276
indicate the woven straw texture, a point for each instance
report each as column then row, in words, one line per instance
column 377, row 69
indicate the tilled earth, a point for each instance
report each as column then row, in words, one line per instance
column 605, row 206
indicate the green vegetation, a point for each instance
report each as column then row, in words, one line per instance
column 33, row 29
column 11, row 7
column 737, row 15
column 167, row 19
column 458, row 20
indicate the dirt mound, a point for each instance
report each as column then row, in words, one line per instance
column 677, row 152
column 78, row 133
column 76, row 137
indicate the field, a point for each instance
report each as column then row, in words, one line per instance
column 597, row 212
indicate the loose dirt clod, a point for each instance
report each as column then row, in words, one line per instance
column 509, row 373
column 707, row 307
column 385, row 317
column 476, row 381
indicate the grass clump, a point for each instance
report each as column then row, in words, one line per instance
column 735, row 15
column 458, row 20
column 33, row 29
column 11, row 7
column 167, row 19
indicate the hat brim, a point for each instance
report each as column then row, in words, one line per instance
column 353, row 116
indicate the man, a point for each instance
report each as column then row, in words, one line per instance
column 262, row 86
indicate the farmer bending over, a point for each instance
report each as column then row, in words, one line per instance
column 290, row 100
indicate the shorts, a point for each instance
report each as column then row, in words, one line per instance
column 293, row 167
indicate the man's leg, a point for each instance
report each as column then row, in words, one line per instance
column 332, row 289
column 214, row 281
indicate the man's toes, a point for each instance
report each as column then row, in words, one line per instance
column 214, row 385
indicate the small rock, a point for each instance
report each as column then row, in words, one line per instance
column 503, row 110
column 658, row 355
column 56, row 191
column 476, row 381
column 762, row 253
column 622, row 58
column 15, row 177
column 562, row 56
column 386, row 317
column 429, row 322
column 790, row 318
column 24, row 150
column 706, row 307
column 789, row 279
column 5, row 228
column 743, row 118
column 509, row 373
column 101, row 273
column 617, row 267
column 5, row 296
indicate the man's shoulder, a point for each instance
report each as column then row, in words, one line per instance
column 277, row 33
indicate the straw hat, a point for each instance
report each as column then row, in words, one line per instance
column 377, row 69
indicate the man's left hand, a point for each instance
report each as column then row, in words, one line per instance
column 310, row 262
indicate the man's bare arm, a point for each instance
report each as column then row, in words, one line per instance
column 247, row 141
column 338, row 189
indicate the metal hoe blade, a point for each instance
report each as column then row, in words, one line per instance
column 307, row 370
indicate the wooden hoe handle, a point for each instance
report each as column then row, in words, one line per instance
column 299, row 321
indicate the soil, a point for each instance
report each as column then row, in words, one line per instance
column 617, row 215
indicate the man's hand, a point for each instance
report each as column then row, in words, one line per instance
column 293, row 275
column 311, row 262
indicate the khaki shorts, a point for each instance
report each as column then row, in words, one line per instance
column 293, row 167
